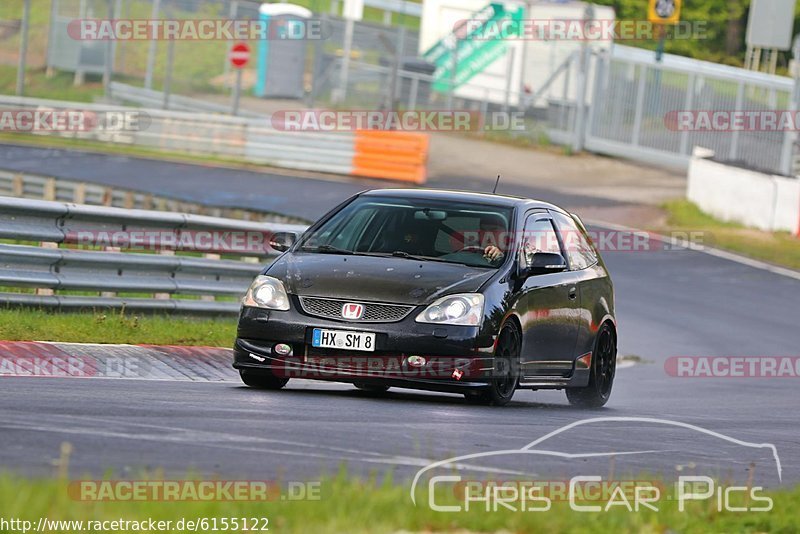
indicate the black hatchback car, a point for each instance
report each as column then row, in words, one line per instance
column 460, row 292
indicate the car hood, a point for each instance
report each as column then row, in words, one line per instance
column 398, row 280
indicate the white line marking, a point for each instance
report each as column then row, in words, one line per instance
column 711, row 251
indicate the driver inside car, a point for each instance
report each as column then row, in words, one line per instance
column 492, row 229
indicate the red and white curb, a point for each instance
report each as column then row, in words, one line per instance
column 92, row 360
column 142, row 362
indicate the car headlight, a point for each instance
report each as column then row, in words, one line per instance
column 464, row 309
column 267, row 292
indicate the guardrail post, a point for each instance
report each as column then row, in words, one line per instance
column 17, row 185
column 79, row 193
column 164, row 296
column 210, row 256
column 46, row 291
column 49, row 189
column 110, row 294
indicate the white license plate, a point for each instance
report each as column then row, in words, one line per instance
column 343, row 340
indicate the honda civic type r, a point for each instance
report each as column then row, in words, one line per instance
column 460, row 292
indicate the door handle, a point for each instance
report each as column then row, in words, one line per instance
column 573, row 293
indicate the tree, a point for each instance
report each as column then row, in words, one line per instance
column 723, row 22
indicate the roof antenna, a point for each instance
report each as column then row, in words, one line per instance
column 495, row 184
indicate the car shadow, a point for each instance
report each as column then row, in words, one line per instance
column 421, row 396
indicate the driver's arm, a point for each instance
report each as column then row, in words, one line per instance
column 493, row 254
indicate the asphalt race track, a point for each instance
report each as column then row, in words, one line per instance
column 669, row 303
column 226, row 187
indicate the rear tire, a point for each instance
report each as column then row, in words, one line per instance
column 601, row 375
column 261, row 379
column 372, row 388
column 505, row 375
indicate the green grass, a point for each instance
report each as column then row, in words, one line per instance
column 114, row 327
column 58, row 87
column 351, row 505
column 780, row 248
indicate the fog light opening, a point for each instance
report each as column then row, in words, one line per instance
column 282, row 349
column 416, row 361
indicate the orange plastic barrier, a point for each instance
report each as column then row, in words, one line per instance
column 391, row 155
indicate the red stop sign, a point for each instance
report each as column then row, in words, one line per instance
column 239, row 55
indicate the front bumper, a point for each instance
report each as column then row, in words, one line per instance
column 456, row 357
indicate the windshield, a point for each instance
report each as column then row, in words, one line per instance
column 453, row 232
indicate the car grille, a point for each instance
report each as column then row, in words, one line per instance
column 373, row 312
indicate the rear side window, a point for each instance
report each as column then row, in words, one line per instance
column 539, row 236
column 580, row 253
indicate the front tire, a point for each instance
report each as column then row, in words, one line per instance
column 601, row 376
column 505, row 375
column 261, row 379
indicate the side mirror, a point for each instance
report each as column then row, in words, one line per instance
column 543, row 263
column 282, row 241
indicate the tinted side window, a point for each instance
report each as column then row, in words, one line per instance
column 539, row 236
column 580, row 253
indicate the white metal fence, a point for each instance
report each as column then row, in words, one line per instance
column 625, row 110
column 634, row 96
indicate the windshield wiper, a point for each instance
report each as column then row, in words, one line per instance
column 327, row 249
column 406, row 255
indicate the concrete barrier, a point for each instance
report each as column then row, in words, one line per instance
column 391, row 155
column 733, row 194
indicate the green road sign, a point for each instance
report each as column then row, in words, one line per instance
column 477, row 44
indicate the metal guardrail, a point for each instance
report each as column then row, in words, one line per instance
column 150, row 98
column 57, row 272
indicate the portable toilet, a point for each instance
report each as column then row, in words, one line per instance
column 282, row 54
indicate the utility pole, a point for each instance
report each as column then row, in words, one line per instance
column 23, row 47
column 151, row 53
column 108, row 65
